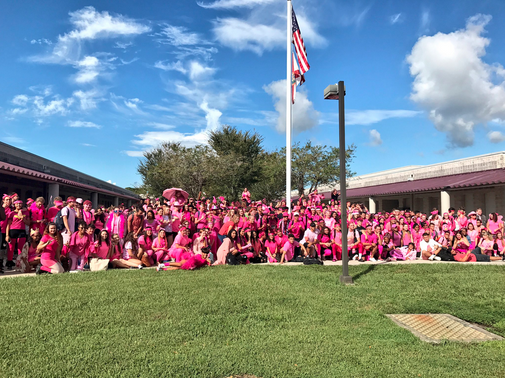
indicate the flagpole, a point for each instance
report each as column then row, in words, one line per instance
column 288, row 105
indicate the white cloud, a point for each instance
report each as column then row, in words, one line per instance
column 198, row 71
column 134, row 153
column 396, row 18
column 20, row 100
column 88, row 145
column 375, row 138
column 425, row 22
column 305, row 117
column 18, row 111
column 87, row 99
column 161, row 126
column 178, row 36
column 52, row 107
column 41, row 41
column 83, row 124
column 175, row 66
column 230, row 4
column 452, row 82
column 496, row 137
column 88, row 25
column 121, row 45
column 242, row 35
column 211, row 115
column 368, row 117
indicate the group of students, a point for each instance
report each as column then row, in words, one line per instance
column 186, row 233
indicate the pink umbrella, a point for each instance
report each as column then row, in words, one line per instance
column 178, row 194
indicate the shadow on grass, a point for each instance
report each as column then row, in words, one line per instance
column 366, row 271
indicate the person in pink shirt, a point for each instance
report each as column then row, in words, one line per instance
column 417, row 236
column 101, row 247
column 272, row 250
column 326, row 244
column 280, row 239
column 288, row 249
column 145, row 247
column 29, row 257
column 499, row 246
column 191, row 263
column 182, row 247
column 116, row 223
column 296, row 227
column 160, row 246
column 246, row 195
column 461, row 220
column 50, row 248
column 87, row 212
column 38, row 215
column 495, row 223
column 16, row 231
column 6, row 206
column 461, row 249
column 369, row 245
column 228, row 251
column 78, row 246
column 130, row 251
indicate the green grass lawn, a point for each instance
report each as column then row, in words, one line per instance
column 269, row 321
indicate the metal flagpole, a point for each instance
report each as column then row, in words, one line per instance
column 288, row 105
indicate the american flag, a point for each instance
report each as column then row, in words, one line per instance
column 301, row 53
column 296, row 78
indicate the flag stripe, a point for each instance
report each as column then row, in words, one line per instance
column 301, row 52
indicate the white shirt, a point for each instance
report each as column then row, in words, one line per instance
column 310, row 236
column 431, row 243
column 70, row 214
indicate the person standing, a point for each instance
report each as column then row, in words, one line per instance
column 68, row 215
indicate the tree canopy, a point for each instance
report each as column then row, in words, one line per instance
column 236, row 159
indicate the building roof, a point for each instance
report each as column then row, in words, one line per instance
column 489, row 177
column 29, row 173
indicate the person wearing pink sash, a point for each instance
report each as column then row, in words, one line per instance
column 116, row 223
column 16, row 231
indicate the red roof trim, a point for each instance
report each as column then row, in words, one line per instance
column 25, row 172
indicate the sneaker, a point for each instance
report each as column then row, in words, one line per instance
column 355, row 257
column 372, row 259
column 437, row 258
column 388, row 259
column 74, row 271
column 431, row 257
column 160, row 267
column 140, row 266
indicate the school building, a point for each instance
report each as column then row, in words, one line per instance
column 476, row 182
column 32, row 176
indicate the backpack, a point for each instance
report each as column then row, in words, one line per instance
column 312, row 261
column 58, row 220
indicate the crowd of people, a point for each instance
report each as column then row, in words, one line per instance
column 190, row 233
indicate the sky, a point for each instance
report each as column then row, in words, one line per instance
column 92, row 85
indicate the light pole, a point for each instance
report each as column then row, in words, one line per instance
column 337, row 92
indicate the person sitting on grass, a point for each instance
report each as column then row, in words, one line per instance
column 29, row 258
column 192, row 263
column 461, row 249
column 130, row 249
column 369, row 245
column 485, row 251
column 288, row 250
column 311, row 240
column 50, row 248
column 430, row 248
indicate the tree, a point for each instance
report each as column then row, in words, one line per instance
column 272, row 185
column 240, row 156
column 315, row 165
column 172, row 165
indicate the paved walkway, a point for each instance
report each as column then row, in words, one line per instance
column 11, row 273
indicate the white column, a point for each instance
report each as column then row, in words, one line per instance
column 94, row 199
column 372, row 206
column 116, row 201
column 445, row 201
column 52, row 192
column 490, row 202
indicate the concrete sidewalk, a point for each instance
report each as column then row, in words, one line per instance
column 12, row 273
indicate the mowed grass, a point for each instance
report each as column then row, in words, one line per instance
column 268, row 321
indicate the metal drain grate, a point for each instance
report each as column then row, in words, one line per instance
column 434, row 328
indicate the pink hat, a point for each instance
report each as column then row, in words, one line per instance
column 88, row 202
column 285, row 214
column 18, row 201
column 5, row 196
column 58, row 203
column 14, row 195
column 434, row 212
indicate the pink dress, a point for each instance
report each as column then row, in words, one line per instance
column 180, row 254
column 223, row 251
column 161, row 254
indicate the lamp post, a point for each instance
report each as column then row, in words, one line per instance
column 337, row 92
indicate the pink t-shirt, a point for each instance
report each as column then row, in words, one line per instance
column 101, row 250
column 3, row 224
column 49, row 252
column 18, row 223
column 486, row 245
column 160, row 243
column 145, row 243
column 365, row 238
column 271, row 246
column 78, row 245
column 290, row 249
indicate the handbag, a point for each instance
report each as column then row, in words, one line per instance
column 96, row 264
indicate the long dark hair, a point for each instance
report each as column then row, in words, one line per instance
column 230, row 233
column 107, row 241
column 130, row 238
column 58, row 235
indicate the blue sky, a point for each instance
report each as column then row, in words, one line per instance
column 94, row 84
